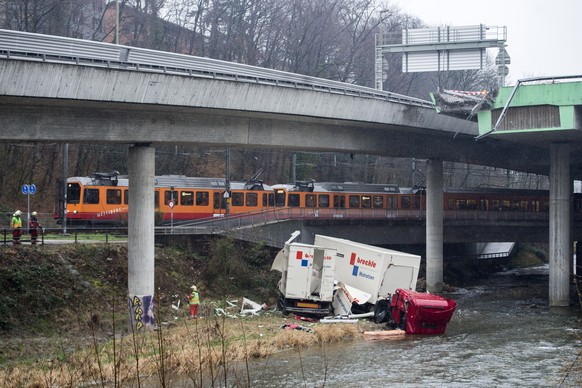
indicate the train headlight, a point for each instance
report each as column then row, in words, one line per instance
column 75, row 211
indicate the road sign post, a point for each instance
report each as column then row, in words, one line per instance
column 28, row 190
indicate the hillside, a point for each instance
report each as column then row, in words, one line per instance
column 53, row 288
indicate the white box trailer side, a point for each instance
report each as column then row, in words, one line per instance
column 377, row 271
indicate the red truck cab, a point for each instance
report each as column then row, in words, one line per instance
column 421, row 313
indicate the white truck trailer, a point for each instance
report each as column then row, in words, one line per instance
column 335, row 273
column 372, row 270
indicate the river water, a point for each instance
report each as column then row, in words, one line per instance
column 502, row 334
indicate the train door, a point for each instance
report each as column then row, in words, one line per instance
column 218, row 204
column 280, row 198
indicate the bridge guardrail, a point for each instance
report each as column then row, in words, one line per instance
column 29, row 46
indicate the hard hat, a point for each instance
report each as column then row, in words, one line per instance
column 194, row 288
column 34, row 214
column 17, row 213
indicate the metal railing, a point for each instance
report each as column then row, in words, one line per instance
column 219, row 225
column 19, row 45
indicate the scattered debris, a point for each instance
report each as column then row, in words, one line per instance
column 250, row 307
column 294, row 326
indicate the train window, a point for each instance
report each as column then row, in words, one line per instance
column 415, row 202
column 125, row 197
column 170, row 195
column 354, row 201
column 271, row 199
column 535, row 206
column 310, row 200
column 238, row 199
column 451, row 204
column 113, row 196
column 391, row 203
column 156, row 200
column 187, row 198
column 252, row 199
column 323, row 200
column 366, row 201
column 202, row 198
column 265, row 201
column 294, row 200
column 506, row 204
column 546, row 206
column 405, row 202
column 73, row 193
column 484, row 204
column 496, row 204
column 378, row 202
column 523, row 206
column 339, row 201
column 280, row 198
column 91, row 196
column 472, row 204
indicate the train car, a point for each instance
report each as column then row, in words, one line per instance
column 494, row 199
column 350, row 195
column 347, row 195
column 103, row 198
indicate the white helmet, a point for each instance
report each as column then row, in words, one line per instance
column 34, row 214
column 17, row 213
column 194, row 288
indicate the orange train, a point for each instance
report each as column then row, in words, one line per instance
column 103, row 198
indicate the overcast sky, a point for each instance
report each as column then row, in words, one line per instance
column 544, row 37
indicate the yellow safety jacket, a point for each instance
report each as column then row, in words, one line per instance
column 194, row 298
column 16, row 222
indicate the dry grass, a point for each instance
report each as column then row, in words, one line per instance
column 204, row 351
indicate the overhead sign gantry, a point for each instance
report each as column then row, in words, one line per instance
column 442, row 49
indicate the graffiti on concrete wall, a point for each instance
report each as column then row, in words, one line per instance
column 141, row 308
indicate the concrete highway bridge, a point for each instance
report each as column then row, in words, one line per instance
column 55, row 89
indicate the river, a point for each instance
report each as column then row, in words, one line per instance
column 503, row 334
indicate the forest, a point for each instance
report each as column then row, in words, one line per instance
column 332, row 39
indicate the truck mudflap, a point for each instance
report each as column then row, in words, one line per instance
column 421, row 313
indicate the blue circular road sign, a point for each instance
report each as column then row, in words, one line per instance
column 24, row 189
column 32, row 189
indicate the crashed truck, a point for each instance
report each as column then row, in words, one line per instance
column 343, row 278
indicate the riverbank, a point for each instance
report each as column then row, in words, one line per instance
column 63, row 310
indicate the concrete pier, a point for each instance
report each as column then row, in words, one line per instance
column 141, row 167
column 434, row 227
column 560, row 231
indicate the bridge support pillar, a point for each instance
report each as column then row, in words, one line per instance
column 434, row 227
column 560, row 226
column 141, row 168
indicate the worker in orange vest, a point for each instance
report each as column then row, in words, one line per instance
column 194, row 300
